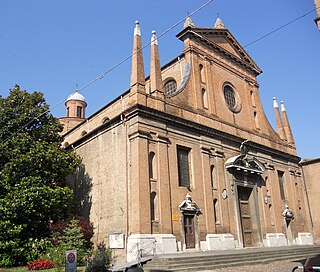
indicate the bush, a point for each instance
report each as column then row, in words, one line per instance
column 40, row 265
column 67, row 236
column 99, row 259
column 56, row 255
column 73, row 238
column 21, row 252
column 36, row 248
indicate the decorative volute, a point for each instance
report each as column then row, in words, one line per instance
column 155, row 68
column 137, row 69
column 286, row 125
column 279, row 124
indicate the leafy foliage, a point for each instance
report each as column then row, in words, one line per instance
column 68, row 236
column 73, row 238
column 100, row 259
column 84, row 224
column 33, row 174
column 56, row 255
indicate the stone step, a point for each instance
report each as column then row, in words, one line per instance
column 196, row 259
column 211, row 260
column 213, row 265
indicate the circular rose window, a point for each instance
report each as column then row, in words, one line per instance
column 232, row 98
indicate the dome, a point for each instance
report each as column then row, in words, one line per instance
column 76, row 96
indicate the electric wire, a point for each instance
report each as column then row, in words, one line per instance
column 101, row 76
column 146, row 45
column 112, row 68
column 279, row 28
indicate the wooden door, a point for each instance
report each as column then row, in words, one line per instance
column 189, row 231
column 245, row 215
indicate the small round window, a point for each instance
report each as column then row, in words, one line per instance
column 170, row 87
column 232, row 98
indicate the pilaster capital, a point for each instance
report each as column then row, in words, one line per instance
column 139, row 134
column 219, row 154
column 206, row 150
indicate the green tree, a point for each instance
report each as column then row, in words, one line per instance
column 70, row 238
column 33, row 174
column 73, row 238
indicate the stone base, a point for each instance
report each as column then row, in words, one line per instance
column 304, row 238
column 222, row 241
column 275, row 239
column 150, row 245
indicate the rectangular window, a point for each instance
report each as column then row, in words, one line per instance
column 281, row 184
column 79, row 112
column 183, row 166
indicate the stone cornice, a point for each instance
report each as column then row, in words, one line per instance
column 152, row 114
column 208, row 131
column 247, row 63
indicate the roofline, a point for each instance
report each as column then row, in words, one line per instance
column 192, row 30
column 305, row 162
column 167, row 117
column 123, row 94
column 97, row 112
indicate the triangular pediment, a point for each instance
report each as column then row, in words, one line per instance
column 222, row 41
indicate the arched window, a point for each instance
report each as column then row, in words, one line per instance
column 216, row 211
column 79, row 112
column 83, row 133
column 253, row 101
column 105, row 120
column 68, row 111
column 202, row 74
column 152, row 166
column 213, row 183
column 256, row 120
column 204, row 99
column 153, row 206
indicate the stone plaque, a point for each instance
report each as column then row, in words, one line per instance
column 116, row 240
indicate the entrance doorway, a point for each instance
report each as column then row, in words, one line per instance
column 245, row 216
column 189, row 231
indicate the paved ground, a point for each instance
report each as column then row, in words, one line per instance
column 279, row 266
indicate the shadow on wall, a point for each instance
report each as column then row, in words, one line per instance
column 81, row 183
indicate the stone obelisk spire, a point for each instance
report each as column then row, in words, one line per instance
column 286, row 125
column 137, row 80
column 279, row 124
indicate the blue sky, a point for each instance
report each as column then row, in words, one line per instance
column 53, row 46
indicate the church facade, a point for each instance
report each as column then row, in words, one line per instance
column 186, row 158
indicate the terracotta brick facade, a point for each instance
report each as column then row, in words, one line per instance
column 311, row 171
column 241, row 174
